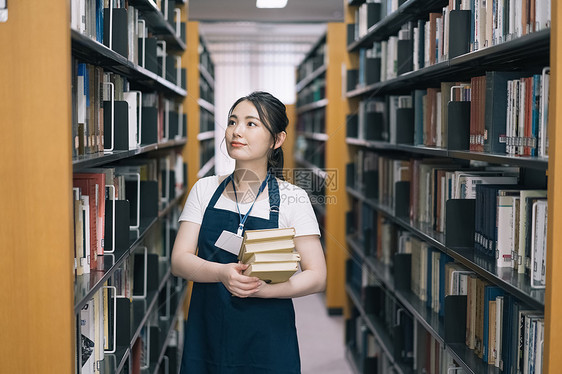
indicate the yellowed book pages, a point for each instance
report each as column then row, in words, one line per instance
column 269, row 234
column 273, row 257
column 272, row 272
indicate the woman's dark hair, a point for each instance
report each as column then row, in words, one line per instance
column 273, row 115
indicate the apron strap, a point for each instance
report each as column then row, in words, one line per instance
column 274, row 200
column 218, row 191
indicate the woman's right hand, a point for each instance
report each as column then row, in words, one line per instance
column 237, row 283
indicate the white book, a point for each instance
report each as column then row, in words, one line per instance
column 85, row 259
column 489, row 22
column 132, row 99
column 539, row 346
column 505, row 230
column 524, row 221
column 87, row 338
column 511, row 17
column 543, row 121
column 497, row 359
column 518, row 31
column 538, row 231
column 416, row 53
column 544, row 242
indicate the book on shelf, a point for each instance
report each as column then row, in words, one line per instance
column 270, row 254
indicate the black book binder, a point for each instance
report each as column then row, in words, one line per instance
column 149, row 125
column 122, row 223
column 352, row 79
column 372, row 70
column 459, row 32
column 150, row 62
column 402, row 200
column 405, row 126
column 458, row 125
column 460, row 223
column 373, row 126
column 120, row 124
column 402, row 265
column 119, row 37
column 352, row 126
column 350, row 33
column 405, row 62
column 455, row 319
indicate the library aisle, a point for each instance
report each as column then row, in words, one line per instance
column 321, row 340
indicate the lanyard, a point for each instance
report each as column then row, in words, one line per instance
column 245, row 217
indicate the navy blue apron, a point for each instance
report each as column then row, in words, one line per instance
column 227, row 334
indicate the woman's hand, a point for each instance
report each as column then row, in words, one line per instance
column 237, row 283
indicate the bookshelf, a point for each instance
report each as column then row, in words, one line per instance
column 318, row 144
column 535, row 172
column 200, row 106
column 41, row 313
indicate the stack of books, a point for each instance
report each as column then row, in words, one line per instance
column 270, row 254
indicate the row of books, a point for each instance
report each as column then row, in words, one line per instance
column 371, row 12
column 313, row 92
column 312, row 62
column 313, row 121
column 508, row 114
column 206, row 91
column 96, row 189
column 107, row 115
column 498, row 327
column 412, row 345
column 206, row 61
column 105, row 322
column 206, row 120
column 311, row 150
column 475, row 24
column 130, row 34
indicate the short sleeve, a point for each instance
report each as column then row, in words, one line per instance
column 301, row 214
column 196, row 203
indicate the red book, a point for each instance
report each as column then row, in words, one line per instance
column 93, row 185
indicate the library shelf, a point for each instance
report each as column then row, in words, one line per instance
column 206, row 135
column 310, row 78
column 206, row 105
column 93, row 52
column 206, row 168
column 206, row 75
column 115, row 362
column 315, row 46
column 314, row 136
column 87, row 285
column 143, row 307
column 377, row 328
column 424, row 315
column 159, row 24
column 166, row 327
column 506, row 278
column 429, row 319
column 390, row 24
column 308, row 165
column 92, row 160
column 532, row 162
column 496, row 57
column 314, row 105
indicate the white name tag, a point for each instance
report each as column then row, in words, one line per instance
column 230, row 242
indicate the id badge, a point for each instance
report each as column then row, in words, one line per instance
column 230, row 242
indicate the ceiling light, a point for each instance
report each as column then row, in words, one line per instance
column 271, row 3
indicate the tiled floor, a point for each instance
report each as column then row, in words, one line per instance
column 321, row 337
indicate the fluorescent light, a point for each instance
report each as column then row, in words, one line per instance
column 271, row 3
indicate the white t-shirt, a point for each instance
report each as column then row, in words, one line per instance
column 295, row 208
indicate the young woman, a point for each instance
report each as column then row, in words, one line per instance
column 236, row 323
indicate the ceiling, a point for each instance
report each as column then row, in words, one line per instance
column 296, row 11
column 294, row 28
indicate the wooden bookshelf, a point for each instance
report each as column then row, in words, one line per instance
column 333, row 140
column 553, row 303
column 546, row 47
column 198, row 165
column 39, row 294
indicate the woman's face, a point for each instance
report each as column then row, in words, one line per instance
column 247, row 138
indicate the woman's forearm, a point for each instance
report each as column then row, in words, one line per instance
column 193, row 268
column 301, row 284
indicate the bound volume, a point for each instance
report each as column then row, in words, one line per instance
column 270, row 254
